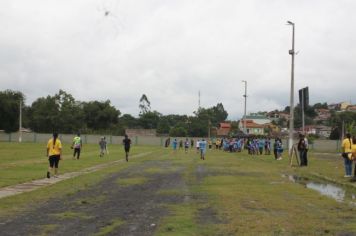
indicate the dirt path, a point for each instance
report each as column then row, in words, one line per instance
column 139, row 207
column 36, row 184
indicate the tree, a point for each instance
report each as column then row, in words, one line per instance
column 163, row 126
column 149, row 120
column 128, row 121
column 178, row 131
column 320, row 105
column 145, row 105
column 10, row 110
column 45, row 115
column 70, row 112
column 100, row 115
column 59, row 113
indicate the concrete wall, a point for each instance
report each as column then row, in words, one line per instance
column 318, row 146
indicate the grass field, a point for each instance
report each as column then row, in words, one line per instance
column 227, row 194
column 27, row 161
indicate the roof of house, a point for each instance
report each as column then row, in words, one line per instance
column 225, row 125
column 251, row 124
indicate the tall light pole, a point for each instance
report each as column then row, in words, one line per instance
column 20, row 122
column 291, row 108
column 245, row 96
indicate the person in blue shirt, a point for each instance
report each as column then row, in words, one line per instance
column 174, row 144
column 202, row 148
column 261, row 144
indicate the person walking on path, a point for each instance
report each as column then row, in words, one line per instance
column 127, row 144
column 77, row 145
column 54, row 152
column 346, row 150
column 102, row 145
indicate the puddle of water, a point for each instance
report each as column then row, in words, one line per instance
column 330, row 190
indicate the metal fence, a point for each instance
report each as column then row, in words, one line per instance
column 317, row 146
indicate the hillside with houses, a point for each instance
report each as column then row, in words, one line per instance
column 321, row 120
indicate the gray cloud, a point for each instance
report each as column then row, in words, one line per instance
column 170, row 50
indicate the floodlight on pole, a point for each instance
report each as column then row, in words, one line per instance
column 245, row 96
column 291, row 107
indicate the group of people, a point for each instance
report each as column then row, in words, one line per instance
column 255, row 145
column 349, row 155
column 54, row 151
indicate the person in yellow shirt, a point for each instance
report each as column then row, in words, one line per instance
column 54, row 152
column 352, row 156
column 346, row 150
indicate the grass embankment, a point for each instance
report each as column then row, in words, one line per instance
column 27, row 161
column 250, row 196
column 227, row 194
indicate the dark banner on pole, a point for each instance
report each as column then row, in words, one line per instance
column 304, row 96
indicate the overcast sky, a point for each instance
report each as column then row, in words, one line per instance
column 170, row 50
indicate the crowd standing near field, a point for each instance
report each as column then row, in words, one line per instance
column 253, row 145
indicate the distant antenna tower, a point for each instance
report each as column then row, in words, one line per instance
column 199, row 100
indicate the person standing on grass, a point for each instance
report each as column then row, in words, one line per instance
column 202, row 147
column 346, row 150
column 353, row 157
column 302, row 147
column 268, row 146
column 198, row 145
column 191, row 143
column 186, row 145
column 54, row 152
column 102, row 145
column 175, row 144
column 77, row 145
column 127, row 144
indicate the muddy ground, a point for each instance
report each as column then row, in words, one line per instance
column 140, row 207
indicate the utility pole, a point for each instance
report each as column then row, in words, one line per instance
column 20, row 123
column 245, row 96
column 199, row 100
column 303, row 122
column 291, row 118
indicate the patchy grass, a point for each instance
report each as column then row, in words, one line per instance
column 91, row 200
column 131, row 181
column 21, row 202
column 72, row 215
column 48, row 229
column 246, row 195
column 22, row 162
column 114, row 224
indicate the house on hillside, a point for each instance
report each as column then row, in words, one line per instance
column 344, row 105
column 322, row 114
column 351, row 108
column 308, row 129
column 252, row 127
column 259, row 119
column 223, row 130
column 323, row 131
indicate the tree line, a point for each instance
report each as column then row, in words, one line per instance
column 63, row 113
